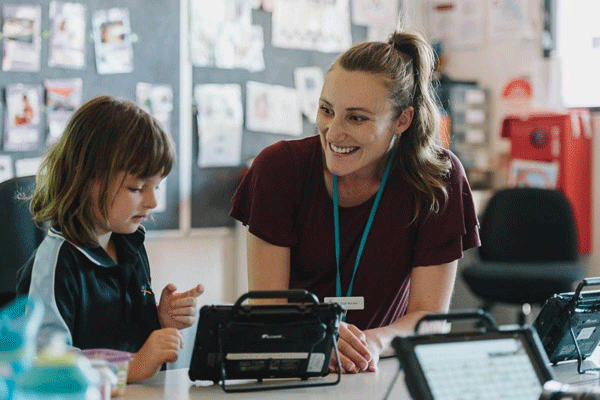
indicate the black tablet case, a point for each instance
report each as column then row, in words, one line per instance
column 264, row 341
column 559, row 314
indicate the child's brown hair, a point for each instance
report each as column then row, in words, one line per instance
column 105, row 136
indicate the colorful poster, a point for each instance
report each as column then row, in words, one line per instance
column 312, row 25
column 67, row 35
column 21, row 38
column 534, row 174
column 220, row 123
column 63, row 98
column 22, row 122
column 157, row 100
column 112, row 41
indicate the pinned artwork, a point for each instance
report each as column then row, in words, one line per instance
column 112, row 41
column 22, row 122
column 67, row 35
column 21, row 38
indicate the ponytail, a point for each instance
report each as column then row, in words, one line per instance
column 407, row 63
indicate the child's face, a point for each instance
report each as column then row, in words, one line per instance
column 132, row 203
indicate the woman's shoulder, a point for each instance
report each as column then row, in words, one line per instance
column 457, row 171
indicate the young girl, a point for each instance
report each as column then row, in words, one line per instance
column 95, row 188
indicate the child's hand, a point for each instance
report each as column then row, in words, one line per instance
column 161, row 346
column 178, row 310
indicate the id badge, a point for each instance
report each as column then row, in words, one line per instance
column 349, row 303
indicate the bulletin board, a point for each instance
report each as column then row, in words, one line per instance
column 212, row 188
column 155, row 29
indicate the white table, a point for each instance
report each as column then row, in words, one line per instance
column 175, row 384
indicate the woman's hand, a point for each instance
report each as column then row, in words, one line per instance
column 161, row 346
column 178, row 310
column 358, row 350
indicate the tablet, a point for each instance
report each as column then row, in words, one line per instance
column 491, row 364
column 563, row 319
column 264, row 341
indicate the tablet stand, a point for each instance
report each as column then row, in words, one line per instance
column 330, row 332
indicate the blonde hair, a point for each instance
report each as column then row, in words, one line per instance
column 406, row 62
column 106, row 136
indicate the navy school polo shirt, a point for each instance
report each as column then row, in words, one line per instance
column 94, row 301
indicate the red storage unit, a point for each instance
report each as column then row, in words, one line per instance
column 566, row 139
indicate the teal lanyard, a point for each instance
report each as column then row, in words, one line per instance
column 336, row 225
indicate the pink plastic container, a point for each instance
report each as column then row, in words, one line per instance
column 119, row 361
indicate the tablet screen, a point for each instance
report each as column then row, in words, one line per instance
column 482, row 369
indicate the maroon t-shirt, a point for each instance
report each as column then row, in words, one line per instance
column 284, row 201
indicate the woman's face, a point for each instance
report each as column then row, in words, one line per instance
column 355, row 122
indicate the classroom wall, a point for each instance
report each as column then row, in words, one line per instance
column 216, row 257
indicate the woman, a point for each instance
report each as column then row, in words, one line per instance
column 371, row 213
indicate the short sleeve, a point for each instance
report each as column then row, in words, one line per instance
column 443, row 237
column 58, row 290
column 268, row 197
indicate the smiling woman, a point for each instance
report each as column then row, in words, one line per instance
column 372, row 212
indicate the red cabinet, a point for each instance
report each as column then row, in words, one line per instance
column 564, row 138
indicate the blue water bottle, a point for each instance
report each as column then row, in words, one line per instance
column 20, row 322
column 58, row 374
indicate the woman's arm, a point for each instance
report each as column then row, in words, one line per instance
column 430, row 292
column 268, row 266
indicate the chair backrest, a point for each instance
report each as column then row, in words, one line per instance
column 19, row 235
column 528, row 224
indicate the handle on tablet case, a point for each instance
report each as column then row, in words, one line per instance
column 293, row 294
column 460, row 315
column 583, row 283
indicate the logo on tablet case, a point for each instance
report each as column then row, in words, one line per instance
column 267, row 336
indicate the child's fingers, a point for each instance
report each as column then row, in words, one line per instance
column 184, row 320
column 183, row 311
column 184, row 302
column 193, row 292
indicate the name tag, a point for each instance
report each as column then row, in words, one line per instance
column 349, row 303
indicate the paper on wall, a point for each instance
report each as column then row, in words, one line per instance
column 311, row 25
column 375, row 12
column 220, row 124
column 22, row 122
column 67, row 35
column 157, row 100
column 273, row 109
column 508, row 19
column 63, row 98
column 468, row 29
column 221, row 35
column 27, row 166
column 309, row 82
column 21, row 38
column 112, row 41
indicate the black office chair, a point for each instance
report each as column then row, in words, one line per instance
column 528, row 249
column 19, row 236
